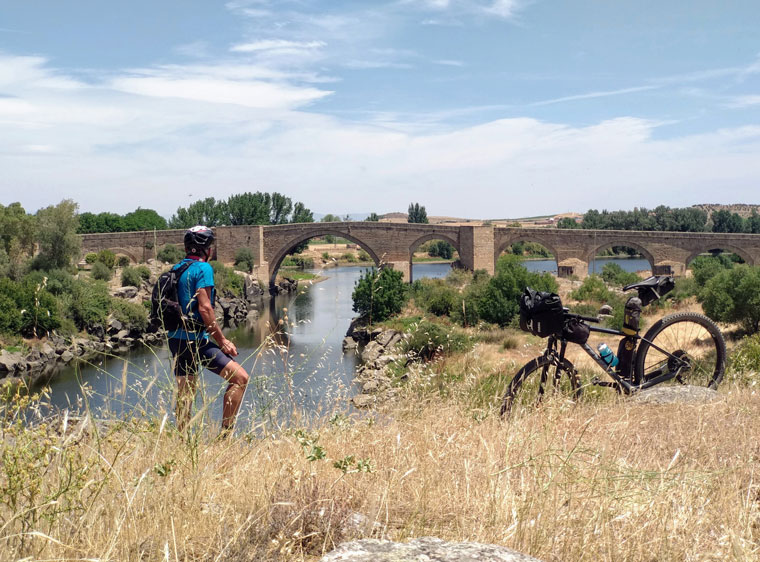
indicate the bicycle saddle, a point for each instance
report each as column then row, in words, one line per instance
column 652, row 288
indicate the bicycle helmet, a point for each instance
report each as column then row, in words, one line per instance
column 198, row 238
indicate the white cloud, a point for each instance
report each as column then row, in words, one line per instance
column 739, row 102
column 277, row 45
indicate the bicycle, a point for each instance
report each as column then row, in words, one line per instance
column 684, row 347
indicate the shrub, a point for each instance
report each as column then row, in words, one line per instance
column 131, row 315
column 27, row 307
column 91, row 258
column 130, row 277
column 10, row 315
column 101, row 271
column 746, row 356
column 440, row 249
column 107, row 257
column 364, row 256
column 244, row 259
column 325, row 256
column 705, row 268
column 428, row 339
column 497, row 303
column 349, row 257
column 122, row 261
column 226, row 280
column 613, row 274
column 435, row 296
column 593, row 288
column 298, row 261
column 170, row 254
column 733, row 295
column 143, row 272
column 379, row 295
column 88, row 304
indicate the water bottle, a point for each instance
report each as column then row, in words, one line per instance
column 607, row 355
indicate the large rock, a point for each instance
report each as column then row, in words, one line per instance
column 423, row 550
column 385, row 337
column 114, row 326
column 679, row 393
column 10, row 362
column 127, row 292
column 349, row 344
column 363, row 400
column 372, row 351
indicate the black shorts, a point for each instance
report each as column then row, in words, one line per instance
column 191, row 355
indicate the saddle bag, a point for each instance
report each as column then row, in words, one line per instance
column 541, row 313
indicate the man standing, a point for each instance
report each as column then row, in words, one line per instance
column 190, row 345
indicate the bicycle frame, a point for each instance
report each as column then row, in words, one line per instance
column 621, row 384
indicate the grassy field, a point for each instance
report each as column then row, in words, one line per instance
column 604, row 479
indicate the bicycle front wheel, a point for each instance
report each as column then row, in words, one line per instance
column 537, row 379
column 688, row 343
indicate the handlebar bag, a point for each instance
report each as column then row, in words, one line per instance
column 541, row 313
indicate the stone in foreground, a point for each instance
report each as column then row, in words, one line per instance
column 423, row 550
column 673, row 394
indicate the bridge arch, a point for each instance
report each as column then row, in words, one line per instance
column 293, row 242
column 607, row 245
column 422, row 239
column 708, row 247
column 525, row 237
column 125, row 252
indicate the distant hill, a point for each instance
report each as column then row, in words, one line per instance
column 742, row 209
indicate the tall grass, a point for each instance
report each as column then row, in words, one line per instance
column 600, row 480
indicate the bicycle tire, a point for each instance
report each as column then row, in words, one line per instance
column 687, row 334
column 543, row 368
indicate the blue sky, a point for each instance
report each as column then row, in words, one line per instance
column 474, row 108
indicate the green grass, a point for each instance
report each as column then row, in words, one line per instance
column 300, row 275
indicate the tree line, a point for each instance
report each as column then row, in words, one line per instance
column 241, row 209
column 663, row 218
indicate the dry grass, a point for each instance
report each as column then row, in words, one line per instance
column 602, row 480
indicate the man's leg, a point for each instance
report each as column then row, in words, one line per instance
column 233, row 396
column 185, row 400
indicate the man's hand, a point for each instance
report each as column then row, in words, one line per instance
column 228, row 348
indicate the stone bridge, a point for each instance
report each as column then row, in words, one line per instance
column 479, row 247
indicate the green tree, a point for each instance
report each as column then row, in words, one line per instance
column 441, row 249
column 280, row 209
column 753, row 223
column 379, row 295
column 57, row 235
column 417, row 214
column 568, row 222
column 726, row 221
column 372, row 217
column 733, row 295
column 329, row 217
column 301, row 214
column 143, row 219
column 206, row 211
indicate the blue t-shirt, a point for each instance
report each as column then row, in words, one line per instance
column 196, row 277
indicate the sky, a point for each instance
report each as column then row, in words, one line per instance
column 473, row 108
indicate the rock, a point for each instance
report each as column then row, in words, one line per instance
column 605, row 310
column 349, row 344
column 47, row 351
column 363, row 401
column 394, row 340
column 673, row 394
column 67, row 356
column 375, row 333
column 127, row 292
column 370, row 386
column 97, row 330
column 385, row 337
column 114, row 326
column 372, row 351
column 384, row 360
column 121, row 335
column 425, row 548
column 10, row 362
column 358, row 330
column 252, row 316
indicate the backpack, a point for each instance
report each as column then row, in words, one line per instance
column 165, row 310
column 541, row 313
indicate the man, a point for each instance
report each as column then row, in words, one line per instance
column 190, row 345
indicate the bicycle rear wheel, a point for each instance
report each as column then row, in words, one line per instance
column 536, row 379
column 689, row 337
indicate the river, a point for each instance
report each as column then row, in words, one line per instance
column 304, row 371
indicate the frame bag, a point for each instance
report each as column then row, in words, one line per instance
column 541, row 313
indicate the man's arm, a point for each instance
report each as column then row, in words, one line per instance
column 209, row 320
